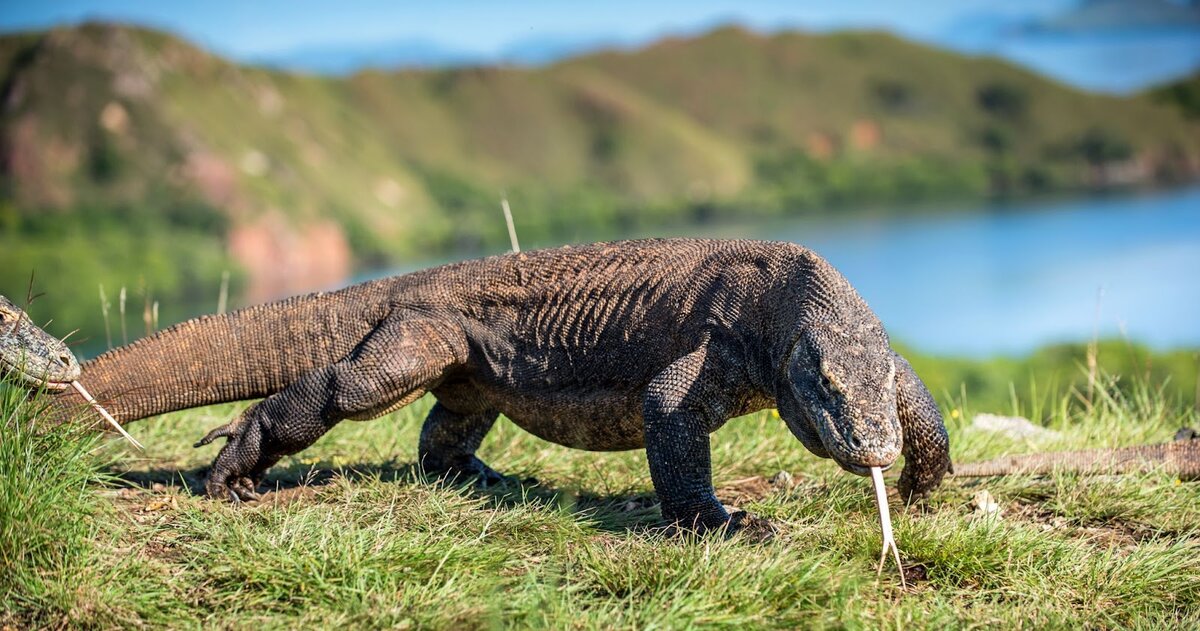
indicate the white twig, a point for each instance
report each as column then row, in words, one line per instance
column 223, row 297
column 512, row 229
column 885, row 523
column 104, row 307
column 124, row 333
column 104, row 413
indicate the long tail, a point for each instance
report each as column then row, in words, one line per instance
column 1181, row 458
column 246, row 354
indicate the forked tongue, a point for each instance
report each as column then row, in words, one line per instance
column 885, row 523
column 108, row 417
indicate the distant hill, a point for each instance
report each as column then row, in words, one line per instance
column 1120, row 15
column 1183, row 94
column 130, row 154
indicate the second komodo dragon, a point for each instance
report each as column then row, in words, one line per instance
column 614, row 346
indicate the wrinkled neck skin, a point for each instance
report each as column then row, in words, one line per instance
column 799, row 419
column 835, row 379
column 30, row 356
column 837, row 395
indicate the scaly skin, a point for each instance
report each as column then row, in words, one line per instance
column 616, row 346
column 32, row 356
column 1180, row 458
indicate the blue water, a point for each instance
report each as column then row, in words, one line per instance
column 1004, row 279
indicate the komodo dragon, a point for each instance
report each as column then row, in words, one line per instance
column 1180, row 458
column 610, row 346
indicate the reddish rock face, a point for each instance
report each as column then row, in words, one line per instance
column 865, row 134
column 283, row 260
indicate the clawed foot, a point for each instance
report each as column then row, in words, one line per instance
column 242, row 463
column 740, row 524
column 470, row 469
column 237, row 490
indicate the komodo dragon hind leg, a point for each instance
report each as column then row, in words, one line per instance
column 242, row 487
column 394, row 366
column 448, row 443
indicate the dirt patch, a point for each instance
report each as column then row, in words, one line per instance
column 152, row 494
column 916, row 573
column 745, row 490
column 1111, row 533
column 281, row 497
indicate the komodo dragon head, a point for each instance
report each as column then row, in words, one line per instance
column 36, row 358
column 40, row 360
column 840, row 397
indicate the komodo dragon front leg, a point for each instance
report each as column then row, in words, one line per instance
column 396, row 364
column 682, row 406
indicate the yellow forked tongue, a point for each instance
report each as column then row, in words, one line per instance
column 104, row 413
column 885, row 523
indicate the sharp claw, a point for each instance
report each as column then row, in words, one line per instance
column 244, row 487
column 220, row 432
column 247, row 495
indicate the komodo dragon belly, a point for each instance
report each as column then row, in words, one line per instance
column 582, row 419
column 592, row 406
column 580, row 391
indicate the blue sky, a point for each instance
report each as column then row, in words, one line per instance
column 345, row 36
column 249, row 29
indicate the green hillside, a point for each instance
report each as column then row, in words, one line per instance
column 131, row 157
column 1183, row 94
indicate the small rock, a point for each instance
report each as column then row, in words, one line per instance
column 985, row 504
column 158, row 487
column 783, row 478
column 1011, row 426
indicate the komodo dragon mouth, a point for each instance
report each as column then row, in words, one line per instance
column 39, row 360
column 32, row 356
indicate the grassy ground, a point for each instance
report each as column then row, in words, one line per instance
column 94, row 534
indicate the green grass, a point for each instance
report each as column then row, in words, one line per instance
column 356, row 537
column 49, row 515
